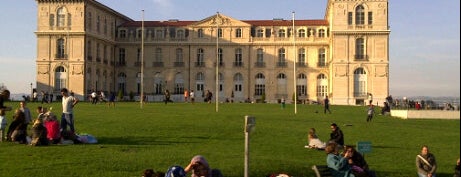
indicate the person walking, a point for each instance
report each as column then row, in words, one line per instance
column 326, row 105
column 192, row 96
column 68, row 103
column 370, row 112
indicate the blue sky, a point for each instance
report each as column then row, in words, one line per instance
column 424, row 40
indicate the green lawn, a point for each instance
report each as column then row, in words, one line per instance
column 157, row 136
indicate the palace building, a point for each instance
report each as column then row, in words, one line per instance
column 86, row 46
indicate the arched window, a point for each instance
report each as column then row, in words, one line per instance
column 60, row 76
column 281, row 86
column 359, row 15
column 301, row 85
column 360, row 82
column 322, row 86
column 178, row 84
column 281, row 33
column 200, row 33
column 158, row 84
column 260, row 33
column 302, row 33
column 260, row 85
column 321, row 33
column 61, row 13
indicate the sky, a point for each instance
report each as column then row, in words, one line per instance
column 424, row 46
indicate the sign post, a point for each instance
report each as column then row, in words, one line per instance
column 364, row 147
column 250, row 123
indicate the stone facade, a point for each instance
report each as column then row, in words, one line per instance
column 84, row 45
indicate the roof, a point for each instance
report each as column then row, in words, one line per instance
column 276, row 22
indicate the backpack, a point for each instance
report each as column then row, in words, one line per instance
column 175, row 171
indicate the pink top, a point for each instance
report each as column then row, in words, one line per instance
column 52, row 128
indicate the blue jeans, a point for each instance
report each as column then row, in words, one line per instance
column 67, row 119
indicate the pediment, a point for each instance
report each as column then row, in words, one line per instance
column 220, row 20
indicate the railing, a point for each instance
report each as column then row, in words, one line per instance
column 89, row 58
column 260, row 64
column 157, row 64
column 61, row 56
column 282, row 64
column 179, row 64
column 220, row 64
column 301, row 64
column 199, row 64
column 238, row 64
column 321, row 64
column 361, row 94
column 361, row 57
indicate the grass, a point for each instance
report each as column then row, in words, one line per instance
column 158, row 136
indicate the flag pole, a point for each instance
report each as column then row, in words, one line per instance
column 142, row 60
column 294, row 63
column 217, row 62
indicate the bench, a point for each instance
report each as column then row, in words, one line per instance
column 322, row 171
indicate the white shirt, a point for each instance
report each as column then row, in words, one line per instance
column 67, row 103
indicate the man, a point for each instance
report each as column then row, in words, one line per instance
column 4, row 96
column 425, row 163
column 326, row 104
column 23, row 107
column 68, row 103
column 336, row 135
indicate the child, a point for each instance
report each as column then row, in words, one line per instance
column 2, row 125
column 370, row 112
column 52, row 126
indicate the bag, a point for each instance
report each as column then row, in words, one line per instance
column 175, row 171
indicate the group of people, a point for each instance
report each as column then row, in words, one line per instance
column 198, row 167
column 351, row 163
column 45, row 128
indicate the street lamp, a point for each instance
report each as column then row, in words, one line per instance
column 31, row 93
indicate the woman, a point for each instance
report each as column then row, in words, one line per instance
column 338, row 164
column 17, row 131
column 358, row 164
column 314, row 141
column 425, row 163
column 200, row 168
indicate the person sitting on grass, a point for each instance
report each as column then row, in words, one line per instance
column 338, row 164
column 314, row 141
column 200, row 168
column 39, row 134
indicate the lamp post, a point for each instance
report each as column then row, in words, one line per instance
column 31, row 93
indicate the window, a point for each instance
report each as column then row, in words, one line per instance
column 359, row 15
column 180, row 34
column 220, row 57
column 200, row 57
column 360, row 82
column 60, row 76
column 60, row 49
column 159, row 34
column 105, row 25
column 301, row 56
column 260, row 86
column 370, row 18
column 200, row 82
column 158, row 84
column 238, row 33
column 281, row 58
column 61, row 17
column 179, row 55
column 98, row 52
column 359, row 48
column 220, row 33
column 301, row 85
column 122, row 82
column 321, row 33
column 121, row 57
column 260, row 56
column 282, row 85
column 321, row 58
column 178, row 84
column 51, row 19
column 281, row 33
column 200, row 33
column 238, row 82
column 260, row 33
column 90, row 21
column 349, row 18
column 98, row 23
column 238, row 57
column 158, row 55
column 322, row 86
column 302, row 33
column 89, row 51
column 122, row 33
column 268, row 32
